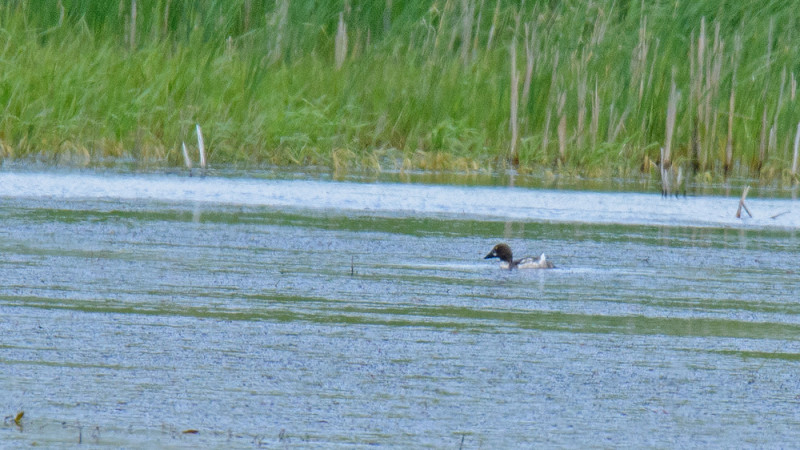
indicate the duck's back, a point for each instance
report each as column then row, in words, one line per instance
column 534, row 263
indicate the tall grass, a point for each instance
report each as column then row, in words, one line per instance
column 391, row 85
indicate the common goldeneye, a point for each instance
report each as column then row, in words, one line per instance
column 503, row 252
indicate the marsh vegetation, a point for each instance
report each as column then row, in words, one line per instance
column 575, row 87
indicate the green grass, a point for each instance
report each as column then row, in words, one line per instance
column 420, row 86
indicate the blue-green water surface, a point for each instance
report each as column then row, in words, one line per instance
column 142, row 323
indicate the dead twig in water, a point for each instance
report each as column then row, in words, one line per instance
column 779, row 214
column 742, row 205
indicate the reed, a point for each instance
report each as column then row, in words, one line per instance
column 132, row 26
column 562, row 128
column 201, row 146
column 672, row 105
column 530, row 57
column 341, row 42
column 403, row 84
column 514, row 112
column 793, row 170
column 595, row 123
column 186, row 159
column 581, row 121
column 732, row 105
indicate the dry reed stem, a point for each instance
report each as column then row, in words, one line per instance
column 731, row 103
column 742, row 205
column 610, row 129
column 340, row 51
column 477, row 32
column 793, row 171
column 595, row 123
column 600, row 27
column 562, row 128
column 640, row 60
column 165, row 24
column 512, row 157
column 772, row 142
column 694, row 87
column 454, row 32
column 132, row 36
column 248, row 6
column 712, row 65
column 530, row 40
column 672, row 107
column 780, row 98
column 186, row 159
column 493, row 28
column 278, row 21
column 773, row 139
column 620, row 125
column 442, row 22
column 666, row 189
column 766, row 138
column 201, row 147
column 467, row 16
column 699, row 83
column 546, row 131
column 729, row 140
column 653, row 61
column 61, row 13
column 769, row 42
column 762, row 141
column 713, row 74
column 581, row 108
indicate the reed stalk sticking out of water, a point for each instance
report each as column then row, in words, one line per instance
column 562, row 128
column 665, row 163
column 186, row 159
column 513, row 158
column 793, row 171
column 666, row 186
column 201, row 147
column 731, row 105
column 672, row 111
column 742, row 204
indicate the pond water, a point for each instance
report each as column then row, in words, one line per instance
column 161, row 310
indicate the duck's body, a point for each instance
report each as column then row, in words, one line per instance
column 503, row 252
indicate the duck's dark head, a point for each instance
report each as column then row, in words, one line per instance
column 501, row 251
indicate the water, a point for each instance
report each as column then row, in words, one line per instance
column 309, row 313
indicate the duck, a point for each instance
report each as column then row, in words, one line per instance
column 503, row 252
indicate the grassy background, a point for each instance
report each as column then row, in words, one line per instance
column 393, row 84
